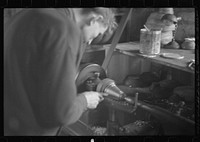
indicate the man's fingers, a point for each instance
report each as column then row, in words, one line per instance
column 104, row 94
column 101, row 98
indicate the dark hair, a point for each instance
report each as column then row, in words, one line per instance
column 107, row 13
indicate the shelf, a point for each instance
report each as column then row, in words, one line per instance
column 132, row 49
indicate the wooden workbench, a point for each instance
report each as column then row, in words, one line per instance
column 132, row 49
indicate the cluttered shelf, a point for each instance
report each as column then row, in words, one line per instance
column 132, row 49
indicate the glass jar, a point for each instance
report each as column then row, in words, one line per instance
column 150, row 41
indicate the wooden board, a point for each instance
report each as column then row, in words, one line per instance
column 174, row 63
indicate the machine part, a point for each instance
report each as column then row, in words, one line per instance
column 115, row 99
column 147, row 78
column 140, row 127
column 87, row 72
column 163, row 89
column 172, row 123
column 143, row 80
column 108, row 86
column 119, row 105
column 177, row 107
column 133, row 81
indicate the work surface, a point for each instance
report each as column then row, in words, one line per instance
column 132, row 49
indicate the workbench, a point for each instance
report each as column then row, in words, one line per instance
column 132, row 49
column 126, row 56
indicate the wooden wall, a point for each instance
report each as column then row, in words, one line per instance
column 122, row 65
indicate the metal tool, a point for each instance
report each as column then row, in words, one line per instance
column 117, row 100
column 108, row 86
column 92, row 77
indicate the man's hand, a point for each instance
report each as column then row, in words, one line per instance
column 93, row 98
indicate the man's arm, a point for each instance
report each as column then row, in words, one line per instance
column 57, row 102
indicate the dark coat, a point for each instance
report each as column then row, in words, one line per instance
column 42, row 51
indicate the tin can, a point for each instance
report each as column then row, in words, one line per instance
column 150, row 41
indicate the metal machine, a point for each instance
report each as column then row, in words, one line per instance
column 92, row 77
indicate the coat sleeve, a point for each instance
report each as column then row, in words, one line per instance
column 56, row 101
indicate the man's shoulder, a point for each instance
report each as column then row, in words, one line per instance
column 60, row 18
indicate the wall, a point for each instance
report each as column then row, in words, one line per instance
column 137, row 20
column 186, row 26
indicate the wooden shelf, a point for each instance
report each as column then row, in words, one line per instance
column 132, row 49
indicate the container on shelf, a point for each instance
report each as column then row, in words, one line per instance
column 150, row 41
column 189, row 43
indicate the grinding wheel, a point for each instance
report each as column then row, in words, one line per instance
column 87, row 71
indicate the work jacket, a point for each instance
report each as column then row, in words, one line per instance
column 42, row 51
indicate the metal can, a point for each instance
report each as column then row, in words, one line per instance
column 150, row 41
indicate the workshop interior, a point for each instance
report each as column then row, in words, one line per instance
column 147, row 68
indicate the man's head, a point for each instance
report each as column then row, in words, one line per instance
column 96, row 21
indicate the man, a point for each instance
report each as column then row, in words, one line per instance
column 42, row 52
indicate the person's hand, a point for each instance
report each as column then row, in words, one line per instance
column 93, row 98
